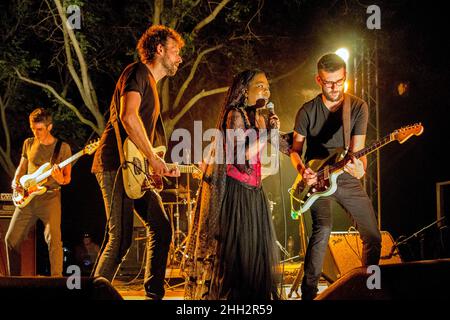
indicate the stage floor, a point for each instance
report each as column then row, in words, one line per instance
column 131, row 286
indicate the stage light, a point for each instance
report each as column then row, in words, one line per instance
column 343, row 53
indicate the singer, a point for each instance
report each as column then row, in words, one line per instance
column 231, row 251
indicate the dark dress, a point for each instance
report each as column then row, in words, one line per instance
column 231, row 252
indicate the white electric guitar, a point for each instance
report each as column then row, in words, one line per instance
column 138, row 176
column 32, row 184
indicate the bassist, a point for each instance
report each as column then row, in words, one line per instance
column 41, row 148
column 319, row 123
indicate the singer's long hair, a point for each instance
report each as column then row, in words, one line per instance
column 236, row 93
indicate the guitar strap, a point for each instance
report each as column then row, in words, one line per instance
column 56, row 151
column 346, row 121
column 115, row 124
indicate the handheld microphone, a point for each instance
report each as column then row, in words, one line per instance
column 270, row 107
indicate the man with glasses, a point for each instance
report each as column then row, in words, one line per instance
column 320, row 123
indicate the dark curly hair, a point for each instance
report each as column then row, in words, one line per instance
column 153, row 36
column 41, row 115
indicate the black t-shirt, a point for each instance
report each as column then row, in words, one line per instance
column 135, row 77
column 323, row 129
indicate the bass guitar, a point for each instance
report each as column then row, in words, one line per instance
column 32, row 184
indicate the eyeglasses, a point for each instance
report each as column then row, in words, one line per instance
column 329, row 84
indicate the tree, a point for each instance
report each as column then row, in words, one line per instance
column 13, row 55
column 75, row 56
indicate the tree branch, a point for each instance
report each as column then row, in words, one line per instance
column 62, row 100
column 287, row 74
column 192, row 102
column 157, row 10
column 191, row 74
column 209, row 18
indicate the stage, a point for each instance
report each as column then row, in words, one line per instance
column 131, row 288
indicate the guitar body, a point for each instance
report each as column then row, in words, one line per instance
column 31, row 186
column 326, row 186
column 138, row 176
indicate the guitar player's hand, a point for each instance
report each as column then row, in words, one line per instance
column 158, row 165
column 173, row 172
column 57, row 174
column 309, row 176
column 15, row 185
column 355, row 167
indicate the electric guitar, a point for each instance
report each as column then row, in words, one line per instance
column 138, row 176
column 32, row 184
column 330, row 168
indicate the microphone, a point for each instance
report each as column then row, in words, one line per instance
column 271, row 108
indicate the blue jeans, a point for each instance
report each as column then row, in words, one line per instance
column 119, row 213
column 354, row 199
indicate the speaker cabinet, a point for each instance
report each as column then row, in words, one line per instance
column 344, row 253
column 28, row 250
column 56, row 288
column 418, row 281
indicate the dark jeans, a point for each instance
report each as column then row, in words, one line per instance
column 119, row 213
column 354, row 199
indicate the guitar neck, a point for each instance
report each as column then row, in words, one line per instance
column 183, row 168
column 373, row 147
column 61, row 165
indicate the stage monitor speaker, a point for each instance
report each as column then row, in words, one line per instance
column 420, row 280
column 344, row 253
column 28, row 250
column 56, row 288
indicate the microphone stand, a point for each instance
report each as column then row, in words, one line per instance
column 414, row 235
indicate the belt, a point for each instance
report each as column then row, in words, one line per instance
column 53, row 190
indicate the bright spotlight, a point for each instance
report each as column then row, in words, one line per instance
column 343, row 53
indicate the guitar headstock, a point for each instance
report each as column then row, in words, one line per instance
column 91, row 147
column 404, row 133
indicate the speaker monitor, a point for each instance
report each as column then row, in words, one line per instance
column 420, row 280
column 56, row 288
column 344, row 253
column 28, row 250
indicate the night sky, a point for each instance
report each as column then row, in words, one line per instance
column 412, row 43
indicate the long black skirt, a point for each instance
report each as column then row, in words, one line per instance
column 245, row 267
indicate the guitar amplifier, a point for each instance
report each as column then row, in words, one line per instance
column 344, row 253
column 6, row 205
column 28, row 248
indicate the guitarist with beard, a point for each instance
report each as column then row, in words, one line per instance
column 320, row 123
column 135, row 113
column 38, row 150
